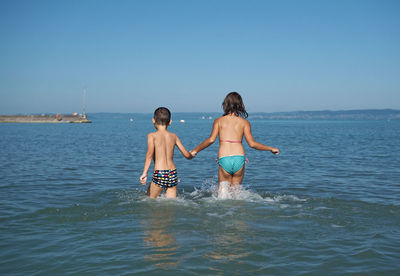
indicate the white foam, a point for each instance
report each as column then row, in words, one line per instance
column 279, row 198
column 219, row 215
column 322, row 208
column 226, row 191
column 211, row 192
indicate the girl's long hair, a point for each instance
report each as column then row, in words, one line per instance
column 233, row 103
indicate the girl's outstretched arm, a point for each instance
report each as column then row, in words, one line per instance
column 255, row 145
column 209, row 141
column 149, row 157
column 183, row 149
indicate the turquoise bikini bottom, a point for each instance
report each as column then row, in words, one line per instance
column 231, row 164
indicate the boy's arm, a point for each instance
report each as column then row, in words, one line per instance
column 184, row 151
column 255, row 145
column 149, row 157
column 209, row 141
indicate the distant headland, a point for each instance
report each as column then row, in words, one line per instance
column 361, row 114
column 44, row 118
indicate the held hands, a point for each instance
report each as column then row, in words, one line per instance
column 275, row 150
column 143, row 179
column 190, row 156
column 193, row 153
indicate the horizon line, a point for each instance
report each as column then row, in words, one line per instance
column 294, row 111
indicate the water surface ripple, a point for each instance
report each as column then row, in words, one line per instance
column 70, row 202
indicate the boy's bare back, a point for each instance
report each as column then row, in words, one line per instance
column 164, row 144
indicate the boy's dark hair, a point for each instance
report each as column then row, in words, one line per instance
column 162, row 116
column 233, row 104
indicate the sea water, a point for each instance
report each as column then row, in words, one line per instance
column 71, row 202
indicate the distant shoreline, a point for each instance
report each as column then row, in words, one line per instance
column 361, row 114
column 58, row 118
column 353, row 114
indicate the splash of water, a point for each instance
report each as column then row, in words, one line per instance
column 211, row 191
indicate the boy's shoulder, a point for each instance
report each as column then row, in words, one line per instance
column 155, row 133
column 172, row 134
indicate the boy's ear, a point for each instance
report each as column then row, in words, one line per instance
column 154, row 121
column 170, row 121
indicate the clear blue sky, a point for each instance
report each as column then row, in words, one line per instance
column 134, row 56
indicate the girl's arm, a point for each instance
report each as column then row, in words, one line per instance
column 149, row 157
column 209, row 141
column 255, row 145
column 183, row 149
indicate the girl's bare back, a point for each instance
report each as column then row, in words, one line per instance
column 230, row 130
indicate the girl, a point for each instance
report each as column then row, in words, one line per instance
column 231, row 128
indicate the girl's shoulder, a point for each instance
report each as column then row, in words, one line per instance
column 228, row 118
column 242, row 122
column 218, row 120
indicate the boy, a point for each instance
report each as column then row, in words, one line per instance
column 160, row 147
